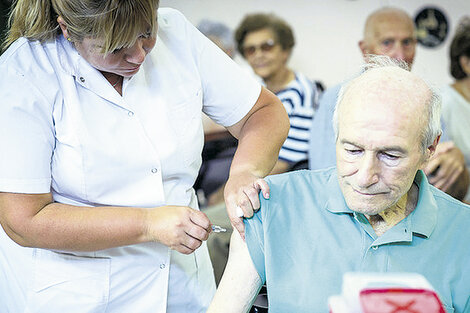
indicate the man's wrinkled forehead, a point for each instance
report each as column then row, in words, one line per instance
column 388, row 20
column 391, row 83
column 390, row 29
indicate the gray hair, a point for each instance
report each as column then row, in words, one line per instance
column 220, row 31
column 433, row 104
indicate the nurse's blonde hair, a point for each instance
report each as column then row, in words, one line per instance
column 118, row 23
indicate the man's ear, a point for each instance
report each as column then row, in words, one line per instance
column 432, row 148
column 63, row 27
column 363, row 46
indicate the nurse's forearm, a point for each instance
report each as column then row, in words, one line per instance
column 260, row 134
column 36, row 221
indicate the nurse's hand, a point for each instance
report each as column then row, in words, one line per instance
column 179, row 227
column 241, row 197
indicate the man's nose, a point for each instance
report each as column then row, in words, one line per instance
column 368, row 171
column 398, row 52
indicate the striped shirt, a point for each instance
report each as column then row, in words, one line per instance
column 300, row 99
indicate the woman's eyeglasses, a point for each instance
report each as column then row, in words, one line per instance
column 265, row 47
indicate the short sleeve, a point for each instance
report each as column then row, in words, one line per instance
column 26, row 136
column 254, row 236
column 229, row 92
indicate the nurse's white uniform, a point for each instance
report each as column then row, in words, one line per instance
column 66, row 130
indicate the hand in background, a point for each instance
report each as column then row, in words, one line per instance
column 446, row 170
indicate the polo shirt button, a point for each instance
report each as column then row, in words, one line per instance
column 154, row 170
column 130, row 113
column 375, row 247
column 82, row 79
column 162, row 266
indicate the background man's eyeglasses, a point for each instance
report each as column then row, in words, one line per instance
column 265, row 47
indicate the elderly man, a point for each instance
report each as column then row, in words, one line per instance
column 388, row 31
column 375, row 212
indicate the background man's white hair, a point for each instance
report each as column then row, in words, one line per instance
column 433, row 105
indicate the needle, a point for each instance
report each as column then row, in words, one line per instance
column 218, row 229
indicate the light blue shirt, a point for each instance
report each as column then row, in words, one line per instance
column 304, row 238
column 322, row 145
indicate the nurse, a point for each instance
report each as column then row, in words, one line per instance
column 101, row 137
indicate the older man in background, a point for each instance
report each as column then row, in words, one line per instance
column 388, row 31
column 375, row 212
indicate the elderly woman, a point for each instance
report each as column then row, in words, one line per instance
column 456, row 97
column 266, row 42
column 101, row 140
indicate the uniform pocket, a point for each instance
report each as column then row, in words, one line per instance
column 65, row 282
column 183, row 111
column 186, row 122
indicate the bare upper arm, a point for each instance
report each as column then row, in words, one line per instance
column 17, row 210
column 265, row 98
column 240, row 282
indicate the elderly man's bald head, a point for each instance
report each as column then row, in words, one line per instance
column 389, row 31
column 391, row 84
column 383, row 15
column 389, row 90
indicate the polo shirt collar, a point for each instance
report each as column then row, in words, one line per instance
column 424, row 216
column 421, row 221
column 336, row 202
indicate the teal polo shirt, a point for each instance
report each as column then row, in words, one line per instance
column 304, row 238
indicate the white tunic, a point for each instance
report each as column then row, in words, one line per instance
column 456, row 117
column 65, row 129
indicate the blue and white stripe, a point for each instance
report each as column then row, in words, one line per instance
column 300, row 98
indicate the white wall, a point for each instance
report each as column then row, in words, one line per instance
column 327, row 31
